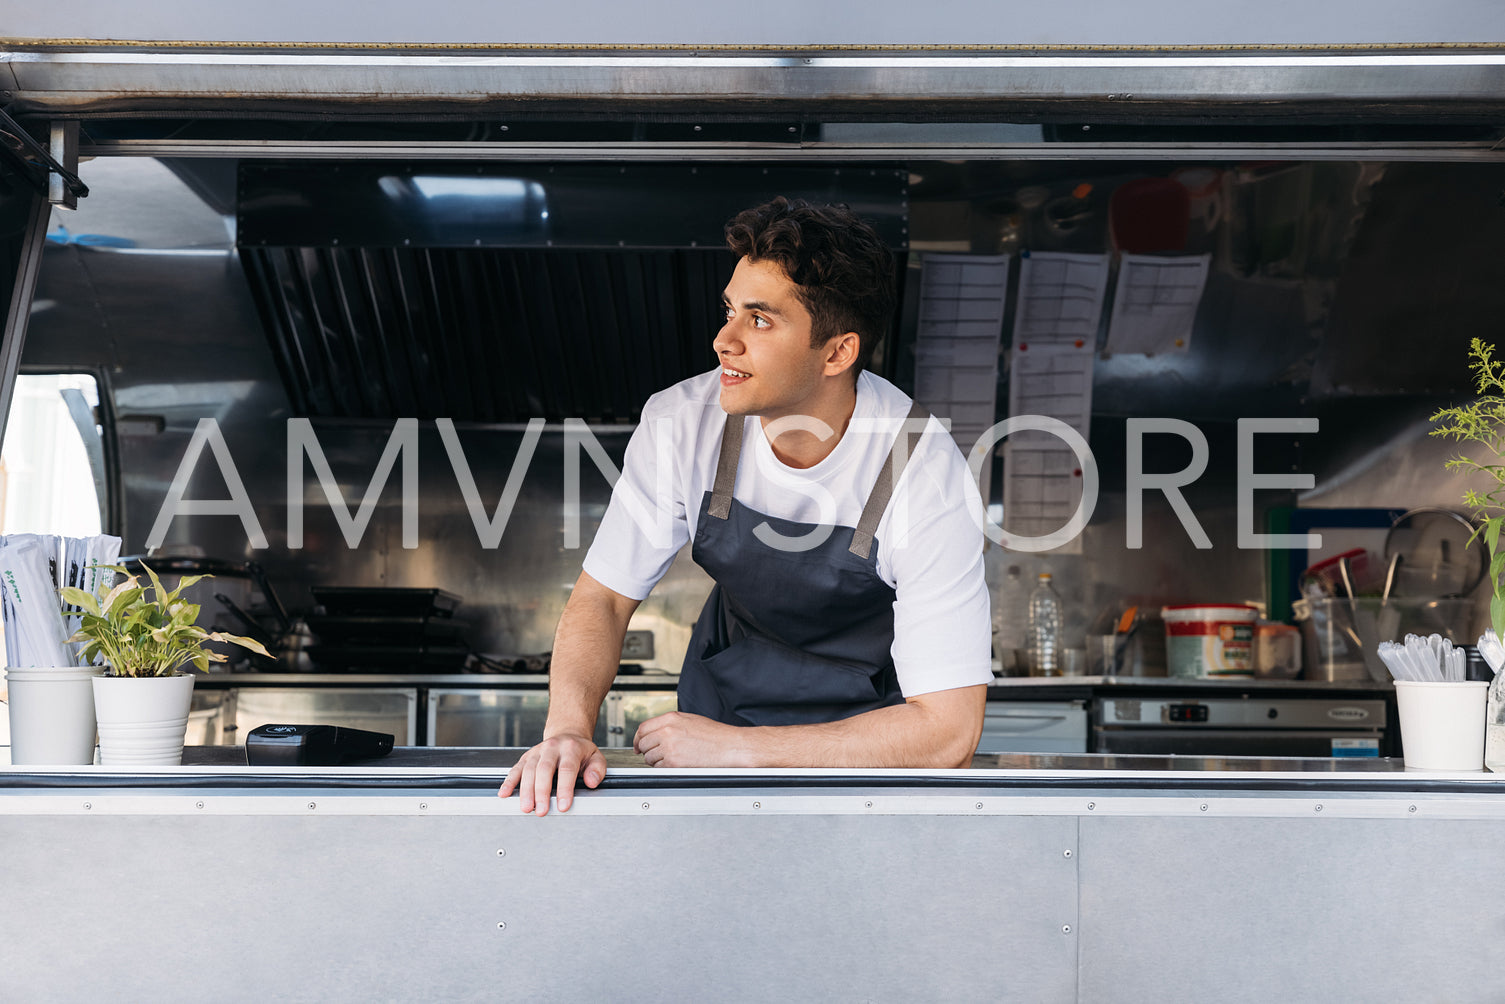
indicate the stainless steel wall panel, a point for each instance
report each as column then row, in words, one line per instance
column 421, row 906
column 1288, row 909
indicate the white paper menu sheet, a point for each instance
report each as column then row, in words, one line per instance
column 962, row 300
column 1060, row 297
column 1156, row 302
column 1042, row 487
column 1042, row 481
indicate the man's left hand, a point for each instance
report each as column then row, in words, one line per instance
column 682, row 740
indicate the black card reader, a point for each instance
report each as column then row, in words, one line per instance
column 313, row 745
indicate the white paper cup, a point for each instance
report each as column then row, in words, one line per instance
column 51, row 715
column 1442, row 724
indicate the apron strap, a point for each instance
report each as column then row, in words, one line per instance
column 726, row 467
column 883, row 490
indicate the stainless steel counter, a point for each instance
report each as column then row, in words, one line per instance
column 1020, row 686
column 1030, row 878
column 459, row 767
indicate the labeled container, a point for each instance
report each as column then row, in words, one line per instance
column 1205, row 641
column 1277, row 651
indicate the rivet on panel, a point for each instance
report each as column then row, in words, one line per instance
column 313, row 805
column 1065, row 928
column 198, row 805
column 870, row 805
column 501, row 925
column 1091, row 805
column 1319, row 808
column 1067, row 852
column 88, row 805
column 1412, row 809
column 1204, row 806
column 645, row 805
column 757, row 805
column 979, row 805
column 423, row 805
column 501, row 852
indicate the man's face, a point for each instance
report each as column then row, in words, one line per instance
column 767, row 365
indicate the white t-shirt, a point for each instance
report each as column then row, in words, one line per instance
column 929, row 540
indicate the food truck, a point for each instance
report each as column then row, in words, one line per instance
column 355, row 309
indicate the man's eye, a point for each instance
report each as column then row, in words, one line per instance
column 760, row 322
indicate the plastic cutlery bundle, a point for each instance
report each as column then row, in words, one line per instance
column 1433, row 659
column 32, row 567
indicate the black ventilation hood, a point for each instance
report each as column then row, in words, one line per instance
column 497, row 293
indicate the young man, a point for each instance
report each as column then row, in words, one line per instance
column 849, row 622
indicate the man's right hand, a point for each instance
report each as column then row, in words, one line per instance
column 565, row 756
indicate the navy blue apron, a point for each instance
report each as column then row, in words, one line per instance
column 789, row 638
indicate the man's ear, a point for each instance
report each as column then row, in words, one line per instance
column 841, row 353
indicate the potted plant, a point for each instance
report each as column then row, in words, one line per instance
column 147, row 637
column 1483, row 422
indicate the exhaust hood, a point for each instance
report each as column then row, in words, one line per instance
column 497, row 293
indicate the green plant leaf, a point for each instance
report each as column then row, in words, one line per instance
column 1497, row 614
column 159, row 597
column 235, row 639
column 142, row 632
column 79, row 598
column 183, row 583
column 122, row 597
column 1492, row 532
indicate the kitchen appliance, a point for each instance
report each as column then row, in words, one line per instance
column 1245, row 725
column 1034, row 727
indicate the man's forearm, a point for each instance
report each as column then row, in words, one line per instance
column 939, row 732
column 587, row 652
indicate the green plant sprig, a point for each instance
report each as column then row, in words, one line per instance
column 1483, row 422
column 146, row 631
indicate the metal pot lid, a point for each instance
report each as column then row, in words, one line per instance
column 1435, row 553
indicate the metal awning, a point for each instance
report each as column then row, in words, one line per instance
column 1454, row 81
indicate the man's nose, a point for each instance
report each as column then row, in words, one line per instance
column 726, row 341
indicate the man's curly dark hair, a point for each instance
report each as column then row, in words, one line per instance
column 843, row 272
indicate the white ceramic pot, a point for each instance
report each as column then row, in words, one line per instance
column 142, row 719
column 51, row 714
